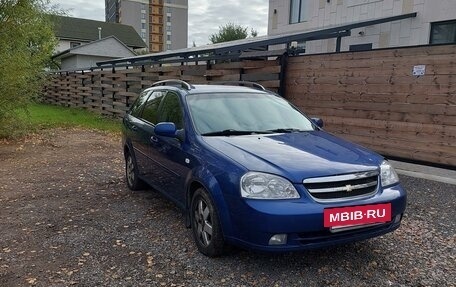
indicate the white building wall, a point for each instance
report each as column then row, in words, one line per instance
column 62, row 46
column 107, row 47
column 321, row 14
column 81, row 61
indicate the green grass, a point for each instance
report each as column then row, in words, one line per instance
column 43, row 116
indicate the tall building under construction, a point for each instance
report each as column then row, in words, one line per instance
column 162, row 24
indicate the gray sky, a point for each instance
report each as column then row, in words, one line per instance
column 204, row 16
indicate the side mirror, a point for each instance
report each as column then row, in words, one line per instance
column 318, row 122
column 166, row 129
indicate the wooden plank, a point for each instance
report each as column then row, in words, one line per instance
column 260, row 77
column 385, row 147
column 440, row 109
column 437, row 138
column 269, row 69
column 215, row 73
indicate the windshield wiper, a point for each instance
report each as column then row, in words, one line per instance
column 232, row 132
column 286, row 130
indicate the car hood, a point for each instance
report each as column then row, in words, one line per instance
column 296, row 156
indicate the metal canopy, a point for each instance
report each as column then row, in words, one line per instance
column 237, row 47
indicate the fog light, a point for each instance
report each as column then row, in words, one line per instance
column 278, row 239
column 397, row 218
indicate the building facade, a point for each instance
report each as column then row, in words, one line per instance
column 72, row 32
column 87, row 55
column 162, row 24
column 435, row 22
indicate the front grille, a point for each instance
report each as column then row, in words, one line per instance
column 342, row 187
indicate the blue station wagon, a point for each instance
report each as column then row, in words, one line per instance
column 249, row 169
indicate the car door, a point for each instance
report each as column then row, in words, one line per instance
column 146, row 155
column 134, row 129
column 171, row 152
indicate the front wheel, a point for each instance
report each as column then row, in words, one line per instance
column 206, row 227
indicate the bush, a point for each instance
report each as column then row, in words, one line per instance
column 26, row 44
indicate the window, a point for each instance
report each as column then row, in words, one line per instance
column 168, row 18
column 360, row 47
column 443, row 32
column 143, row 35
column 171, row 111
column 253, row 111
column 143, row 25
column 138, row 105
column 150, row 112
column 168, row 46
column 298, row 11
column 168, row 37
column 143, row 15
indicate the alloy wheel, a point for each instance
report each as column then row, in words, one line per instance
column 130, row 171
column 203, row 222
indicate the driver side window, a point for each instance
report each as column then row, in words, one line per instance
column 150, row 112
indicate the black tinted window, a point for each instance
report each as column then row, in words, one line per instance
column 136, row 109
column 171, row 111
column 443, row 32
column 150, row 112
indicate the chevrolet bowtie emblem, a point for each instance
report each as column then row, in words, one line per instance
column 348, row 187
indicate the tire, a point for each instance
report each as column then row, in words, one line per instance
column 205, row 224
column 131, row 173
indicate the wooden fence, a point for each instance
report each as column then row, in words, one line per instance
column 373, row 99
column 112, row 92
column 369, row 97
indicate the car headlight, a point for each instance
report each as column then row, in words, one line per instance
column 387, row 174
column 258, row 185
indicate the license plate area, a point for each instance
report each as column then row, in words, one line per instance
column 353, row 217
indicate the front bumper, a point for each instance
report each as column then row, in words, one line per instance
column 256, row 221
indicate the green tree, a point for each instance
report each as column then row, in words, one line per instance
column 230, row 32
column 26, row 44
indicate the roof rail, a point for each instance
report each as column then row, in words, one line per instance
column 240, row 83
column 173, row 82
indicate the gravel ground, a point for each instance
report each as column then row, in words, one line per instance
column 68, row 219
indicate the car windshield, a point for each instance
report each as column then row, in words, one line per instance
column 246, row 113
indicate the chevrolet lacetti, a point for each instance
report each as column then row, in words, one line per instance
column 249, row 169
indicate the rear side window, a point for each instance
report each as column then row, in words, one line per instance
column 171, row 110
column 150, row 112
column 138, row 105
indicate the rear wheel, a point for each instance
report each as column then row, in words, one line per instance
column 131, row 173
column 206, row 227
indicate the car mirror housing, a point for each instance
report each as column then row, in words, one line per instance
column 166, row 129
column 318, row 122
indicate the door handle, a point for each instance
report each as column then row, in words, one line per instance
column 134, row 128
column 153, row 139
